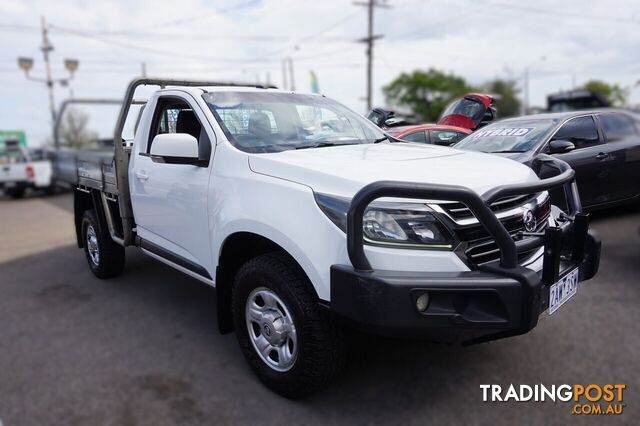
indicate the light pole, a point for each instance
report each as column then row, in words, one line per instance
column 525, row 86
column 287, row 69
column 26, row 64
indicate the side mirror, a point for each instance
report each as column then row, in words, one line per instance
column 175, row 148
column 488, row 116
column 560, row 146
column 393, row 121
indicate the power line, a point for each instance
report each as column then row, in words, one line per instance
column 19, row 27
column 440, row 23
column 155, row 25
column 174, row 54
column 260, row 38
column 184, row 20
column 562, row 14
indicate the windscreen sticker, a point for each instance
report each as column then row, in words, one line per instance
column 506, row 131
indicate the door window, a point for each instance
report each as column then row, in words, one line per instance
column 376, row 117
column 174, row 115
column 416, row 137
column 445, row 137
column 617, row 127
column 581, row 131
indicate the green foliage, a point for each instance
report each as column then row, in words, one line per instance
column 507, row 103
column 614, row 93
column 426, row 93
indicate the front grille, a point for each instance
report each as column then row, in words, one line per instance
column 485, row 250
column 480, row 246
column 459, row 211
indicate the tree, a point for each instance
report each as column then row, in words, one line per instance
column 426, row 93
column 507, row 102
column 73, row 130
column 614, row 93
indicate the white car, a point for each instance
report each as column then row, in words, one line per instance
column 24, row 169
column 307, row 218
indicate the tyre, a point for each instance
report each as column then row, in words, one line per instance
column 16, row 193
column 105, row 257
column 50, row 190
column 293, row 346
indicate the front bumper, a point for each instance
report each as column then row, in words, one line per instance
column 498, row 300
column 465, row 307
column 15, row 185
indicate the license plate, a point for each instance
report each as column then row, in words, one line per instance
column 563, row 290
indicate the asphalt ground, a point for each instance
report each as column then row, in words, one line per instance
column 143, row 349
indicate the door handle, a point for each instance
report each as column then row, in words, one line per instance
column 141, row 175
column 602, row 156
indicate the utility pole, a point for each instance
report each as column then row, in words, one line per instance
column 143, row 67
column 525, row 92
column 525, row 85
column 71, row 65
column 371, row 5
column 291, row 75
column 284, row 75
column 287, row 68
column 46, row 48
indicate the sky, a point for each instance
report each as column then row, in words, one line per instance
column 562, row 44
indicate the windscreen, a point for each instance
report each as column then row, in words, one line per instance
column 468, row 107
column 267, row 121
column 508, row 136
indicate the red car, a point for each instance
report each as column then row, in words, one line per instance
column 436, row 134
column 470, row 111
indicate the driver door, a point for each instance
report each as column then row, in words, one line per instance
column 170, row 200
column 589, row 159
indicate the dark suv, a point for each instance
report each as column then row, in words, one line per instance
column 602, row 146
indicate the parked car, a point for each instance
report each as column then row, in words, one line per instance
column 575, row 100
column 23, row 169
column 303, row 228
column 602, row 146
column 387, row 118
column 436, row 134
column 471, row 111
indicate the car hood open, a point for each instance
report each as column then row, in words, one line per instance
column 343, row 170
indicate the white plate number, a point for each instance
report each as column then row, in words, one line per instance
column 563, row 290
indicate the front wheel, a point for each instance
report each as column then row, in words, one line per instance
column 293, row 347
column 105, row 257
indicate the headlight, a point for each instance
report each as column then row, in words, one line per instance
column 408, row 225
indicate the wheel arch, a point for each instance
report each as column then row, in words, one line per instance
column 236, row 249
column 83, row 201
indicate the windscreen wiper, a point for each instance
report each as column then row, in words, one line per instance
column 322, row 145
column 385, row 138
column 504, row 152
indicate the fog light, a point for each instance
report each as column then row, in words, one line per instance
column 423, row 302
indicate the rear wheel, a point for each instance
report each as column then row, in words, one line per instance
column 104, row 256
column 16, row 193
column 293, row 347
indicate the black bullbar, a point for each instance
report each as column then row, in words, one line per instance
column 498, row 300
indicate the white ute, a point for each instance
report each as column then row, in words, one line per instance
column 21, row 169
column 307, row 219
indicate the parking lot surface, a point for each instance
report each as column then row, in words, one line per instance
column 144, row 348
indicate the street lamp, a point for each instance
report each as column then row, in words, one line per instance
column 25, row 64
column 71, row 65
column 525, row 86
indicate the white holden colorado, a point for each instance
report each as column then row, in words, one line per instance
column 307, row 219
